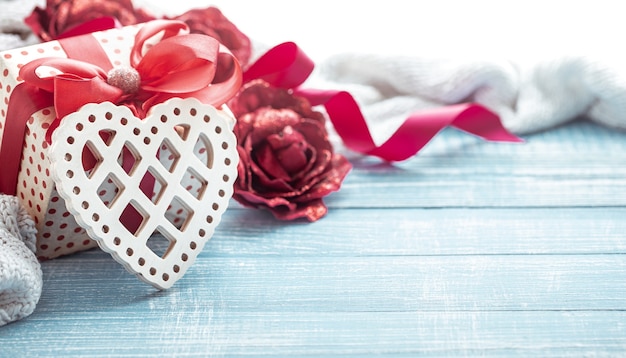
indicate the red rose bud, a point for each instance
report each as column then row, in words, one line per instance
column 291, row 150
column 287, row 164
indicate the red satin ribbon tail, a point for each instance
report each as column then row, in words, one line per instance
column 481, row 122
column 284, row 66
column 316, row 97
column 346, row 118
column 25, row 100
column 411, row 137
column 350, row 125
column 99, row 24
column 287, row 66
column 415, row 132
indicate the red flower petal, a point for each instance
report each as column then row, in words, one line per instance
column 330, row 181
column 312, row 211
column 270, row 121
column 264, row 157
column 291, row 150
column 251, row 199
column 262, row 183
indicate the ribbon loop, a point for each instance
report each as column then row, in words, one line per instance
column 284, row 66
column 29, row 72
column 179, row 64
column 150, row 29
column 85, row 82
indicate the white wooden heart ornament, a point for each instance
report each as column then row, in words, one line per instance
column 184, row 152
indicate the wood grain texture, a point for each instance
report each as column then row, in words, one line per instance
column 469, row 249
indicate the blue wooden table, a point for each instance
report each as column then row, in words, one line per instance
column 469, row 249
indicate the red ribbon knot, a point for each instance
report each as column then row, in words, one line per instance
column 125, row 78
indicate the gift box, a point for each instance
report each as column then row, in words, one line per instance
column 146, row 183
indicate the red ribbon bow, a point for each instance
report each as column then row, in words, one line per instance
column 187, row 65
column 180, row 65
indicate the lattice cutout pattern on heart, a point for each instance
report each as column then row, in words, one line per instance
column 169, row 179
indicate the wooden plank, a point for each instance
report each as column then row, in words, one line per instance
column 362, row 232
column 481, row 193
column 573, row 165
column 294, row 334
column 487, row 181
column 345, row 284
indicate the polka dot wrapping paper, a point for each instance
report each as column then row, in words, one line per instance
column 59, row 233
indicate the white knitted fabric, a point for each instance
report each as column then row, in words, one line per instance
column 13, row 32
column 528, row 96
column 20, row 272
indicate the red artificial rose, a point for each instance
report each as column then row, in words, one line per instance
column 60, row 16
column 287, row 164
column 212, row 22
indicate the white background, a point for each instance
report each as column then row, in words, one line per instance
column 516, row 29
